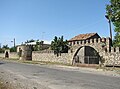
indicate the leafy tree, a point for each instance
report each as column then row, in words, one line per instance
column 113, row 14
column 41, row 45
column 59, row 45
column 5, row 47
column 29, row 41
column 1, row 50
column 13, row 49
column 55, row 46
column 38, row 46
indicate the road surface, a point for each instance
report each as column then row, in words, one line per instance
column 31, row 76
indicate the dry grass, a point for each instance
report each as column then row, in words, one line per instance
column 35, row 62
column 2, row 86
column 5, row 85
column 45, row 63
column 115, row 69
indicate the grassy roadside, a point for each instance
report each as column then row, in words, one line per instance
column 45, row 63
column 35, row 62
column 2, row 85
column 115, row 69
column 5, row 85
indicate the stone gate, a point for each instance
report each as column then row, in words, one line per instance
column 95, row 49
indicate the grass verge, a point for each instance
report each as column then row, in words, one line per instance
column 5, row 85
column 45, row 63
column 35, row 62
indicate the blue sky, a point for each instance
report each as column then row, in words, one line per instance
column 44, row 19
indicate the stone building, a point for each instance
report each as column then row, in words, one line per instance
column 83, row 37
column 39, row 45
column 24, row 52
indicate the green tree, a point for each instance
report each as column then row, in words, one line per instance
column 113, row 14
column 1, row 50
column 59, row 45
column 5, row 47
column 54, row 45
column 13, row 49
column 29, row 41
column 39, row 46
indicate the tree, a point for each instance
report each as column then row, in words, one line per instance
column 59, row 45
column 5, row 47
column 113, row 14
column 13, row 49
column 1, row 50
column 29, row 41
column 55, row 46
column 39, row 46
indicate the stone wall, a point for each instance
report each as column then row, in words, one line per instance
column 112, row 57
column 65, row 58
column 48, row 56
column 2, row 55
column 13, row 55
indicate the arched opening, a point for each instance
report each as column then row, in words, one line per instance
column 25, row 52
column 20, row 52
column 6, row 54
column 86, row 55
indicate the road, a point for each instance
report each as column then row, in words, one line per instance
column 34, row 76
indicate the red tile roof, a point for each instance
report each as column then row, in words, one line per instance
column 82, row 37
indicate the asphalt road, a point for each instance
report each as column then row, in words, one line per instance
column 52, row 77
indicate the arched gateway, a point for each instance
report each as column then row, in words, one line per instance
column 89, row 48
column 86, row 55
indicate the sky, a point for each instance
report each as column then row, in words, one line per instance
column 45, row 19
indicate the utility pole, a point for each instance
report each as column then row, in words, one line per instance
column 43, row 35
column 109, row 21
column 110, row 29
column 0, row 45
column 14, row 42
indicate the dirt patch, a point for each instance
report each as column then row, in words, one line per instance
column 5, row 85
column 87, row 65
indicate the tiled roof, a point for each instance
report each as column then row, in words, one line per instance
column 82, row 36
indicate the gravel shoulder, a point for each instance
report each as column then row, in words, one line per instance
column 15, row 81
column 88, row 70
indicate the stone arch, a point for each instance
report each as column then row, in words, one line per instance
column 86, row 55
column 20, row 52
column 25, row 52
column 6, row 54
